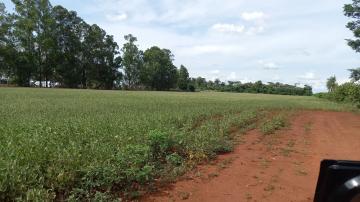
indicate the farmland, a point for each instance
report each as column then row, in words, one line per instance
column 80, row 144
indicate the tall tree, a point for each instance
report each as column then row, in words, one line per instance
column 45, row 41
column 132, row 62
column 353, row 11
column 5, row 45
column 69, row 35
column 159, row 72
column 331, row 84
column 25, row 27
column 102, row 58
column 183, row 78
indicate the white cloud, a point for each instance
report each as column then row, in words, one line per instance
column 228, row 28
column 232, row 76
column 268, row 65
column 253, row 16
column 255, row 30
column 117, row 17
column 294, row 37
column 309, row 76
column 215, row 71
column 208, row 49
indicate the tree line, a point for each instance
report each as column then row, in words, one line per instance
column 50, row 46
column 251, row 87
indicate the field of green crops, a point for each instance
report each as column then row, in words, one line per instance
column 83, row 144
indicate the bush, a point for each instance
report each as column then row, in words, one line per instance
column 160, row 144
column 347, row 92
column 191, row 88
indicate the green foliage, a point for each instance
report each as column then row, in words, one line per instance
column 347, row 92
column 257, row 87
column 52, row 144
column 272, row 125
column 331, row 84
column 174, row 159
column 183, row 78
column 159, row 72
column 355, row 74
column 160, row 145
column 353, row 11
column 46, row 45
column 132, row 62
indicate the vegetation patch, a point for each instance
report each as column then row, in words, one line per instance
column 60, row 144
column 276, row 123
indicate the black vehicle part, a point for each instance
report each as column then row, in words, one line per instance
column 339, row 181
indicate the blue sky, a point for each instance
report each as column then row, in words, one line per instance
column 248, row 40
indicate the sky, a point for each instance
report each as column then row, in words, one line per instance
column 295, row 42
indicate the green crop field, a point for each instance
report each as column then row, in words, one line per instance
column 84, row 144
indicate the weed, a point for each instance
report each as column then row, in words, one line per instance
column 270, row 126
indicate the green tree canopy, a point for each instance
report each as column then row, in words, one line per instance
column 353, row 11
column 159, row 72
column 132, row 62
column 183, row 78
column 331, row 84
column 355, row 74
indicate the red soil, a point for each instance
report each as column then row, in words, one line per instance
column 279, row 167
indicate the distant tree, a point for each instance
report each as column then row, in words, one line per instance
column 355, row 74
column 200, row 83
column 307, row 91
column 183, row 78
column 331, row 84
column 132, row 62
column 158, row 73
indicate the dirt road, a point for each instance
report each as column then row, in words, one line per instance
column 280, row 167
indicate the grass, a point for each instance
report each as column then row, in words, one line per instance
column 83, row 144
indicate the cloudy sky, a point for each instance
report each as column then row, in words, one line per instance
column 293, row 42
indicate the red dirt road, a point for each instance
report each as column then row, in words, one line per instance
column 279, row 167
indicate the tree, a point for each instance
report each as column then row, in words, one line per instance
column 183, row 78
column 200, row 82
column 102, row 58
column 70, row 63
column 5, row 43
column 331, row 84
column 132, row 62
column 24, row 30
column 45, row 40
column 355, row 74
column 158, row 73
column 353, row 11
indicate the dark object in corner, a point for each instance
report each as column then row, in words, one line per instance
column 339, row 181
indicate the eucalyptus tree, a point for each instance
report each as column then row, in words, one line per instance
column 5, row 43
column 24, row 30
column 132, row 62
column 70, row 31
column 102, row 56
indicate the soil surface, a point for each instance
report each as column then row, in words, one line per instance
column 279, row 167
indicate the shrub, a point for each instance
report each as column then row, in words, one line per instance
column 160, row 145
column 347, row 92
